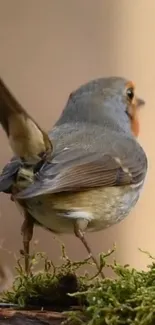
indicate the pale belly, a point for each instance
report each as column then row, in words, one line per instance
column 101, row 207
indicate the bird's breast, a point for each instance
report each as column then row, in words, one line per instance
column 102, row 207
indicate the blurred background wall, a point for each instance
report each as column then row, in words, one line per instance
column 47, row 49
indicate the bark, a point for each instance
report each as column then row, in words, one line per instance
column 14, row 317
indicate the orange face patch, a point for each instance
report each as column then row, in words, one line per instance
column 135, row 126
column 130, row 84
column 133, row 111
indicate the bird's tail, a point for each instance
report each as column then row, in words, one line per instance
column 7, row 100
column 26, row 137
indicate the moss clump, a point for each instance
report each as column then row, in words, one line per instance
column 129, row 298
column 48, row 288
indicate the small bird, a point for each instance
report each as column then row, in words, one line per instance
column 97, row 168
column 29, row 143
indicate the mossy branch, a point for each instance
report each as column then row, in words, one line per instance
column 129, row 298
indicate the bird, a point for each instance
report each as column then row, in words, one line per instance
column 97, row 169
column 30, row 145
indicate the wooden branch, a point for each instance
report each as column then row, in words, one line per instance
column 16, row 317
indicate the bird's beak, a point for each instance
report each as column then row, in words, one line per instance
column 140, row 102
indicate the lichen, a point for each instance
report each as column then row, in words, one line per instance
column 128, row 298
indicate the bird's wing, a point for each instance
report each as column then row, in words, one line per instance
column 77, row 170
column 8, row 174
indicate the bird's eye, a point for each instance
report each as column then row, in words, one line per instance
column 130, row 93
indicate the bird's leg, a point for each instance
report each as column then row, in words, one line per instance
column 27, row 233
column 80, row 234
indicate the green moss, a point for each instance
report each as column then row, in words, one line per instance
column 129, row 298
column 48, row 288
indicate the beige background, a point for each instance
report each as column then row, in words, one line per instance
column 48, row 48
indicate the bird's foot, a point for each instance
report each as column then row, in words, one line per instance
column 81, row 236
column 27, row 232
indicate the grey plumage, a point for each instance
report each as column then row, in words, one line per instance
column 88, row 140
column 89, row 133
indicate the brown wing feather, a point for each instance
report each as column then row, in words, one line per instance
column 103, row 171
